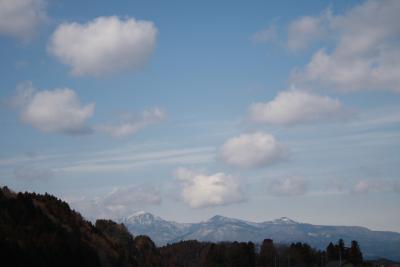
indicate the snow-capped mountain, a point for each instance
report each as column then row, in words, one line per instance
column 283, row 220
column 142, row 218
column 282, row 230
column 160, row 230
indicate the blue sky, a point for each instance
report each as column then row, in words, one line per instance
column 190, row 109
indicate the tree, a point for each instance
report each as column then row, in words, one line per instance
column 331, row 252
column 355, row 255
column 268, row 254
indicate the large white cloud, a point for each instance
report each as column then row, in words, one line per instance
column 366, row 54
column 201, row 190
column 296, row 107
column 291, row 186
column 57, row 110
column 104, row 45
column 252, row 150
column 133, row 125
column 21, row 18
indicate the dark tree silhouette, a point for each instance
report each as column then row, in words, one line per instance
column 268, row 254
column 354, row 254
column 331, row 252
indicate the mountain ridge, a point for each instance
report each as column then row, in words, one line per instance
column 284, row 230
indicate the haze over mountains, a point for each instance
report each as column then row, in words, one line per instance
column 283, row 230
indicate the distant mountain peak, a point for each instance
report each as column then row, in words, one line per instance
column 222, row 219
column 138, row 213
column 217, row 218
column 284, row 220
column 141, row 217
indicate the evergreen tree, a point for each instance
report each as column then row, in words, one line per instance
column 341, row 250
column 355, row 255
column 268, row 254
column 331, row 252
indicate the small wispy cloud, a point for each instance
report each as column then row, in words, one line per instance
column 131, row 124
column 290, row 186
column 374, row 186
column 29, row 173
column 117, row 203
column 267, row 35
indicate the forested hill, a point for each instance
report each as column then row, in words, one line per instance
column 41, row 230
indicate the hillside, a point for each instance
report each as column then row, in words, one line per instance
column 41, row 230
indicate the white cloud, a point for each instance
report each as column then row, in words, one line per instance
column 366, row 55
column 292, row 186
column 305, row 30
column 120, row 202
column 265, row 36
column 133, row 125
column 57, row 110
column 104, row 45
column 368, row 186
column 201, row 190
column 296, row 107
column 252, row 150
column 21, row 18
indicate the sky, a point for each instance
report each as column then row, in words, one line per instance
column 187, row 109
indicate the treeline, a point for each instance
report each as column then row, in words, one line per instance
column 41, row 230
column 242, row 254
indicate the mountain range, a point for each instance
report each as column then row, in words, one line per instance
column 41, row 230
column 374, row 244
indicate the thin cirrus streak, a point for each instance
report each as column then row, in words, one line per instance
column 186, row 156
column 114, row 160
